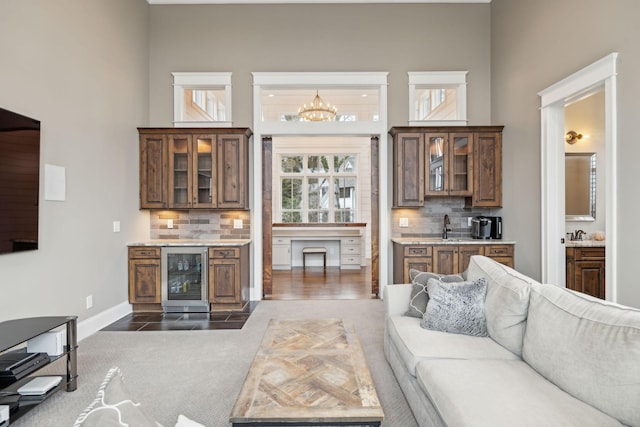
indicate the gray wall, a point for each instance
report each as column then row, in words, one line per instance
column 247, row 38
column 533, row 45
column 81, row 68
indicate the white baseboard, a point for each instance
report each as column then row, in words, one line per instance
column 93, row 324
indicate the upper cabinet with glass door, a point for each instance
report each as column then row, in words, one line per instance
column 463, row 161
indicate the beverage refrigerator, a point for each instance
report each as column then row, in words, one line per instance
column 184, row 279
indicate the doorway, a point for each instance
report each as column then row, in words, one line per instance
column 599, row 76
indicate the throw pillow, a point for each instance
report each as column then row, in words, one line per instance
column 113, row 407
column 456, row 307
column 419, row 295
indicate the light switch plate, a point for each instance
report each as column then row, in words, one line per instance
column 237, row 223
column 404, row 222
column 169, row 223
column 116, row 226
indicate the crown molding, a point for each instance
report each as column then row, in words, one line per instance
column 191, row 2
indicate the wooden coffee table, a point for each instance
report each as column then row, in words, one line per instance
column 308, row 373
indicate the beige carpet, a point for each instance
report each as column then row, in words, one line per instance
column 200, row 373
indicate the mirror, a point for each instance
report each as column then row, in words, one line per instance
column 580, row 186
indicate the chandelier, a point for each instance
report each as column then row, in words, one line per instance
column 317, row 111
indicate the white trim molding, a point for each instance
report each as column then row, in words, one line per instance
column 600, row 75
column 93, row 324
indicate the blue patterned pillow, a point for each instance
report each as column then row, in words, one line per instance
column 456, row 307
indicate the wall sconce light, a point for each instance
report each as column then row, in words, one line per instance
column 572, row 137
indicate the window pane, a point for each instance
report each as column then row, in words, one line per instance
column 436, row 104
column 318, row 164
column 291, row 164
column 204, row 105
column 344, row 163
column 318, row 216
column 345, row 216
column 291, row 193
column 318, row 189
column 291, row 217
column 345, row 193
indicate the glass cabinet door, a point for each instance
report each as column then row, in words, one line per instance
column 205, row 171
column 179, row 171
column 461, row 159
column 436, row 170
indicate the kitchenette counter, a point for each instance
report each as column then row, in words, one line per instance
column 452, row 241
column 585, row 243
column 182, row 242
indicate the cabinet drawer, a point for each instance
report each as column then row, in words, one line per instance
column 224, row 252
column 350, row 260
column 144, row 252
column 499, row 251
column 281, row 241
column 417, row 251
column 589, row 254
column 350, row 249
column 350, row 241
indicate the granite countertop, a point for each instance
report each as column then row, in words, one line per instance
column 181, row 242
column 452, row 241
column 585, row 243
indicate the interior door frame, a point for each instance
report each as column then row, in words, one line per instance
column 599, row 75
column 261, row 230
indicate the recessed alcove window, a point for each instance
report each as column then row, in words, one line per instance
column 201, row 99
column 438, row 97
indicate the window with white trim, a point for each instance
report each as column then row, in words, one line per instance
column 202, row 99
column 438, row 97
column 318, row 188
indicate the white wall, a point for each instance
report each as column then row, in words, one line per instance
column 81, row 68
column 534, row 45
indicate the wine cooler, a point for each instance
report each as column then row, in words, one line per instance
column 184, row 279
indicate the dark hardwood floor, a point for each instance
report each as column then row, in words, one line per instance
column 318, row 283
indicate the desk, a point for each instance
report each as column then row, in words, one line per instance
column 344, row 245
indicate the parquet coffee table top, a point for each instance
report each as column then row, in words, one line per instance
column 308, row 371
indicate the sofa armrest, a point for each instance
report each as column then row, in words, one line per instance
column 396, row 299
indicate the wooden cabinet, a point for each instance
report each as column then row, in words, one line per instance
column 586, row 270
column 461, row 161
column 196, row 168
column 144, row 275
column 444, row 259
column 228, row 280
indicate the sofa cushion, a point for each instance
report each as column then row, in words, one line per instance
column 419, row 295
column 501, row 393
column 456, row 307
column 588, row 347
column 506, row 303
column 415, row 343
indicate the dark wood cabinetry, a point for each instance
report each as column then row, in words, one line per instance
column 228, row 280
column 195, row 168
column 444, row 259
column 463, row 161
column 586, row 270
column 144, row 275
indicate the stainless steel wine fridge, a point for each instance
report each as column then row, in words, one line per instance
column 184, row 279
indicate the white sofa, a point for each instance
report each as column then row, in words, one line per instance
column 552, row 357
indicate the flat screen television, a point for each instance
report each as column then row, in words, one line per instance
column 19, row 182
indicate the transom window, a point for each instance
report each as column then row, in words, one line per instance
column 318, row 188
column 438, row 97
column 202, row 99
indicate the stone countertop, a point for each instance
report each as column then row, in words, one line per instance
column 181, row 242
column 585, row 243
column 452, row 241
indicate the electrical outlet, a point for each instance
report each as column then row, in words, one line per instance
column 469, row 221
column 169, row 223
column 404, row 222
column 116, row 226
column 237, row 223
column 89, row 302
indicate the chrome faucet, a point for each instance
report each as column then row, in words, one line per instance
column 446, row 230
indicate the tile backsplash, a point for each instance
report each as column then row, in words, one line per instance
column 199, row 224
column 428, row 221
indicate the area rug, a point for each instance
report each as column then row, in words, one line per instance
column 200, row 373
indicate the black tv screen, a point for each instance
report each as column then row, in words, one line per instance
column 19, row 182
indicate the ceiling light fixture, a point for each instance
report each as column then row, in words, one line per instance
column 317, row 111
column 572, row 137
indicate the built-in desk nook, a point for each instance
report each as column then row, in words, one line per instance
column 343, row 243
